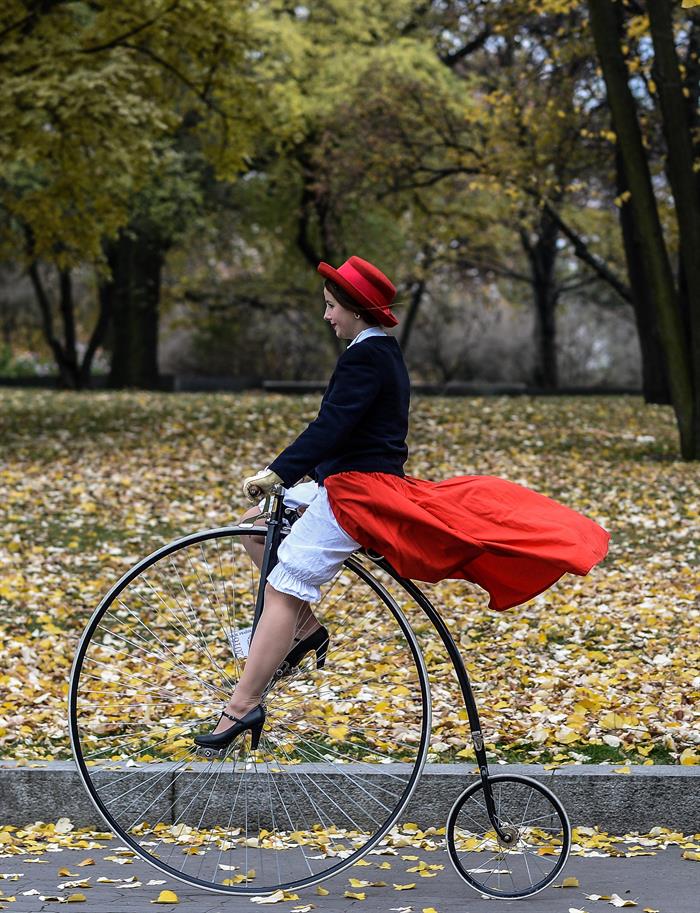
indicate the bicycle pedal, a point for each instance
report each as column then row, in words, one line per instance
column 210, row 753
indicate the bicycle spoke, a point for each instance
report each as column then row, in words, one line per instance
column 520, row 803
column 157, row 665
column 339, row 769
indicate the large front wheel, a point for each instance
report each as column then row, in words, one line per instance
column 342, row 747
column 531, row 849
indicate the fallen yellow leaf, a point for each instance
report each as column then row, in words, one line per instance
column 689, row 757
column 613, row 721
column 167, row 897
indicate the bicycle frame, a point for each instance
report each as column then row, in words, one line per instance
column 273, row 509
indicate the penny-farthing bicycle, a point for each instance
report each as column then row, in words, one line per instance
column 341, row 751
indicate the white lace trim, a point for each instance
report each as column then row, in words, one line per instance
column 284, row 582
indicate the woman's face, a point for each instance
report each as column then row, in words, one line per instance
column 345, row 324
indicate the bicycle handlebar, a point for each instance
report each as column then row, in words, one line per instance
column 257, row 492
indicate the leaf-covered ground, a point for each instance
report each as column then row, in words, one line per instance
column 400, row 862
column 605, row 667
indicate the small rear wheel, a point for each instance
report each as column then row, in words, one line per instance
column 535, row 841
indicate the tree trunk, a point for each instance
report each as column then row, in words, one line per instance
column 308, row 206
column 654, row 382
column 542, row 256
column 64, row 354
column 105, row 296
column 137, row 263
column 68, row 318
column 417, row 292
column 685, row 184
column 605, row 25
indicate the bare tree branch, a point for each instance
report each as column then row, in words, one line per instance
column 46, row 316
column 147, row 52
column 484, row 265
column 584, row 254
column 450, row 60
column 119, row 39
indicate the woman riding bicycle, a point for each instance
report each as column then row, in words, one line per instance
column 512, row 541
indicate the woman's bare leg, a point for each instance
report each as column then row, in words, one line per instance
column 306, row 620
column 271, row 643
column 284, row 619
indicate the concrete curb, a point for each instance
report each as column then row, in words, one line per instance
column 593, row 795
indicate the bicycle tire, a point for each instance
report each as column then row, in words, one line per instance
column 531, row 841
column 88, row 716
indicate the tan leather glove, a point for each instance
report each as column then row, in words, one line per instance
column 255, row 487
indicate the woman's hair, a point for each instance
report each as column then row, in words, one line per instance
column 348, row 302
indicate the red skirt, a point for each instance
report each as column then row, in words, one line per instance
column 513, row 542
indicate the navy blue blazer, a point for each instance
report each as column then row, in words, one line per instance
column 363, row 420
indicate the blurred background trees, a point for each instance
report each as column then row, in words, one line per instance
column 527, row 171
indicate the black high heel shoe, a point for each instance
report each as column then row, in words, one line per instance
column 317, row 641
column 211, row 744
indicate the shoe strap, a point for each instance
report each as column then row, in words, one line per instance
column 298, row 640
column 234, row 718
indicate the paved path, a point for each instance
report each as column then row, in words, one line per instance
column 665, row 882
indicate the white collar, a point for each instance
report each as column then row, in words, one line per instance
column 364, row 334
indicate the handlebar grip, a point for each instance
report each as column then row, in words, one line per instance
column 255, row 492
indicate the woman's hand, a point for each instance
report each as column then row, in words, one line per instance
column 255, row 487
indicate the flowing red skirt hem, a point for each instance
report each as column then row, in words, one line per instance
column 508, row 539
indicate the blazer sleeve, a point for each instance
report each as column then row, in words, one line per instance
column 356, row 384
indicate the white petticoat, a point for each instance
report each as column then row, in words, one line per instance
column 314, row 550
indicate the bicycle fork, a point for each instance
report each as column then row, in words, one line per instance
column 506, row 834
column 273, row 508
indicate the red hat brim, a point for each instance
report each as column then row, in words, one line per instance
column 383, row 315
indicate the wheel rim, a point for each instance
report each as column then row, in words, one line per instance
column 528, row 812
column 340, row 753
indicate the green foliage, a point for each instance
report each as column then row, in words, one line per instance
column 20, row 365
column 88, row 98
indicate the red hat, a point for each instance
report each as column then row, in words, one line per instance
column 365, row 284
